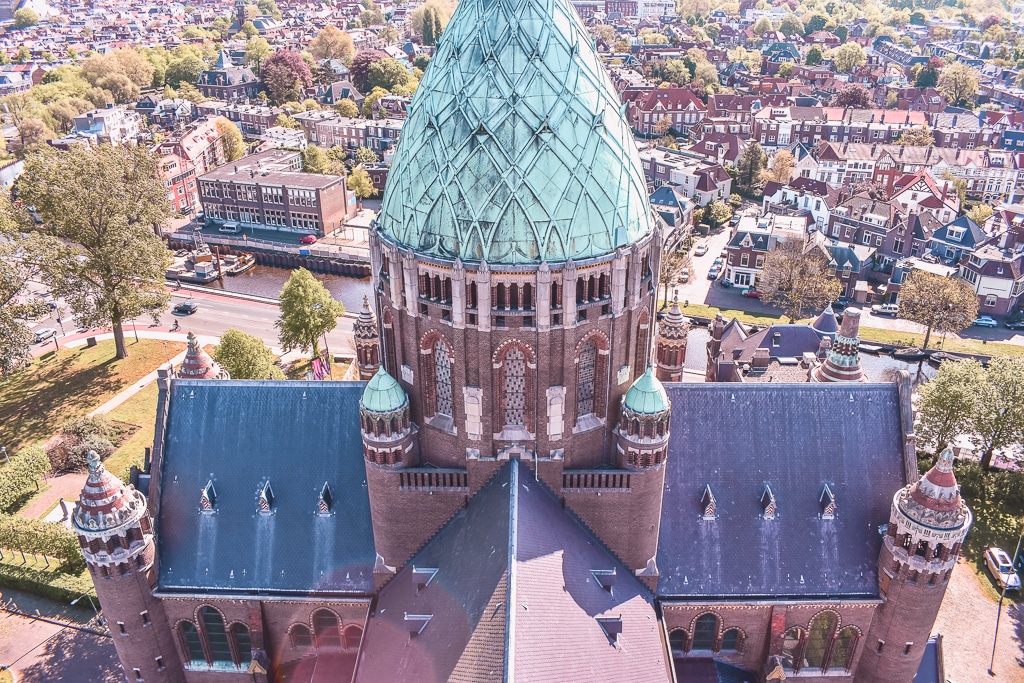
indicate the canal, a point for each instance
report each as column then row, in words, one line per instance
column 267, row 281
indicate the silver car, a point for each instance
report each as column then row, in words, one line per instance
column 1001, row 567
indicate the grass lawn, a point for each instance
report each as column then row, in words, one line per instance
column 140, row 410
column 70, row 383
column 994, row 524
column 300, row 367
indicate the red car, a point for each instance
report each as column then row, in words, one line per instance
column 308, row 239
column 751, row 293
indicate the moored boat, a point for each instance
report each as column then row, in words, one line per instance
column 236, row 265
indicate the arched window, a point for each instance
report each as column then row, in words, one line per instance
column 514, row 370
column 243, row 645
column 585, row 379
column 792, row 649
column 353, row 636
column 193, row 646
column 819, row 639
column 443, row 378
column 642, row 356
column 705, row 632
column 732, row 640
column 677, row 641
column 325, row 625
column 842, row 651
column 216, row 636
column 301, row 636
column 390, row 354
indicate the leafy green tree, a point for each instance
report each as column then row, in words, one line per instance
column 18, row 479
column 958, row 82
column 841, row 32
column 926, row 75
column 980, row 213
column 286, row 121
column 814, row 56
column 848, row 57
column 387, row 73
column 15, row 337
column 234, row 146
column 286, row 74
column 750, row 165
column 998, row 419
column 785, row 70
column 675, row 71
column 245, row 356
column 347, row 108
column 371, row 100
column 248, row 30
column 762, row 26
column 791, row 26
column 332, row 43
column 943, row 304
column 916, row 136
column 102, row 205
column 314, row 160
column 308, row 312
column 269, row 8
column 816, row 22
column 185, row 70
column 360, row 182
column 716, row 213
column 750, row 59
column 25, row 17
column 947, row 403
column 359, row 71
column 797, row 280
column 256, row 50
column 365, row 155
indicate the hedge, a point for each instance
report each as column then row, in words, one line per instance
column 36, row 537
column 19, row 478
column 52, row 584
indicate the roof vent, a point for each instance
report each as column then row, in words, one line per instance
column 612, row 627
column 422, row 576
column 708, row 504
column 325, row 501
column 265, row 501
column 208, row 497
column 415, row 623
column 768, row 502
column 605, row 578
column 828, row 503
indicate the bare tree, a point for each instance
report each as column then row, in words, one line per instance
column 943, row 304
column 797, row 279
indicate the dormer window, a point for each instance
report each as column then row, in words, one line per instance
column 828, row 503
column 208, row 497
column 768, row 504
column 955, row 234
column 708, row 504
column 324, row 501
column 265, row 500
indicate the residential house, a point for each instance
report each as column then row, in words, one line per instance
column 187, row 154
column 724, row 149
column 252, row 119
column 696, row 178
column 804, row 194
column 781, row 126
column 956, row 239
column 920, row 193
column 676, row 212
column 228, row 82
column 115, row 125
column 997, row 276
column 752, row 239
column 680, row 106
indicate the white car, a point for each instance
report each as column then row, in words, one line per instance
column 700, row 250
column 1001, row 568
column 886, row 309
column 44, row 333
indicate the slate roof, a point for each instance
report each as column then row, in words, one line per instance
column 796, row 437
column 513, row 598
column 307, row 435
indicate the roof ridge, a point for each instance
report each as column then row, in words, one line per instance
column 513, row 540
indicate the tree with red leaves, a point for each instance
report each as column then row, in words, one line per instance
column 852, row 95
column 360, row 70
column 286, row 74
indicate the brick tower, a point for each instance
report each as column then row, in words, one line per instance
column 116, row 534
column 927, row 526
column 670, row 346
column 197, row 364
column 367, row 342
column 843, row 361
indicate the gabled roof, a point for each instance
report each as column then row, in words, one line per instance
column 514, row 596
column 973, row 234
column 308, row 435
column 795, row 438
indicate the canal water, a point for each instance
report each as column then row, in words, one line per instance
column 268, row 281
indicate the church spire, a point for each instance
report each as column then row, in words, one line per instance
column 843, row 361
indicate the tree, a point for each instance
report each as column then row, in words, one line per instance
column 980, row 213
column 234, row 146
column 387, row 35
column 439, row 11
column 749, row 165
column 33, row 132
column 797, row 280
column 943, row 304
column 269, row 8
column 603, row 32
column 998, row 418
column 663, row 125
column 848, row 57
column 672, row 266
column 816, row 22
column 347, row 108
column 675, row 70
column 762, row 26
column 360, row 70
column 782, row 167
column 917, row 136
column 814, row 56
column 361, row 183
column 248, row 30
column 370, row 100
column 314, row 160
column 286, row 74
column 947, row 403
column 25, row 17
column 332, row 43
column 785, row 70
column 371, row 17
column 15, row 337
column 958, row 82
column 387, row 73
column 365, row 155
column 852, row 95
column 308, row 312
column 750, row 59
column 841, row 32
column 244, row 356
column 716, row 213
column 185, row 70
column 256, row 50
column 102, row 205
column 927, row 75
column 285, row 121
column 791, row 26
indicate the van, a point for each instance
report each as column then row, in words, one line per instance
column 229, row 227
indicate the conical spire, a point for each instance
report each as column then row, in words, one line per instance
column 670, row 344
column 198, row 364
column 365, row 327
column 934, row 500
column 105, row 503
column 673, row 325
column 843, row 361
column 826, row 322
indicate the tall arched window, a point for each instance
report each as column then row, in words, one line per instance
column 325, row 626
column 732, row 640
column 216, row 636
column 642, row 356
column 193, row 646
column 301, row 637
column 353, row 636
column 243, row 645
column 792, row 649
column 585, row 378
column 677, row 641
column 514, row 369
column 705, row 632
column 819, row 639
column 842, row 651
column 390, row 354
column 443, row 378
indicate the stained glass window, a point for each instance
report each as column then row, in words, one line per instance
column 443, row 378
column 585, row 379
column 515, row 388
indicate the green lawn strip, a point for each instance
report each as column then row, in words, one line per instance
column 70, row 383
column 33, row 577
column 994, row 524
column 704, row 311
column 299, row 368
column 139, row 410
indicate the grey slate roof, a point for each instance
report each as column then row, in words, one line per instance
column 795, row 437
column 240, row 434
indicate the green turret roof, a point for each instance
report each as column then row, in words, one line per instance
column 516, row 150
column 647, row 395
column 383, row 394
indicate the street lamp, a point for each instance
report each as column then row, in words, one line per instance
column 99, row 619
column 168, row 357
column 1002, row 596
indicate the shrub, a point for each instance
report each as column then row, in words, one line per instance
column 68, row 450
column 19, row 479
column 36, row 537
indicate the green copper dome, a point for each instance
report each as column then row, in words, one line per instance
column 383, row 394
column 647, row 395
column 515, row 150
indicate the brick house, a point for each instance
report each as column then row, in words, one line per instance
column 228, row 82
column 954, row 240
column 679, row 105
column 997, row 276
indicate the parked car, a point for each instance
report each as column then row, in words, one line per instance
column 45, row 333
column 700, row 250
column 1016, row 325
column 726, row 282
column 734, row 220
column 308, row 239
column 713, row 273
column 985, row 321
column 886, row 309
column 719, row 262
column 1001, row 567
column 684, row 275
column 751, row 293
column 186, row 308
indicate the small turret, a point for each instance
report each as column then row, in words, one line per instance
column 843, row 361
column 367, row 340
column 198, row 364
column 670, row 345
column 388, row 434
column 644, row 423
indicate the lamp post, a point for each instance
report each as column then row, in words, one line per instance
column 168, row 357
column 99, row 619
column 1002, row 596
